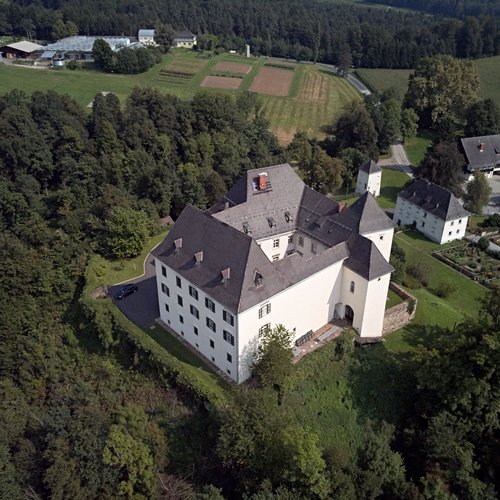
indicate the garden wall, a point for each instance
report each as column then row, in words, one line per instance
column 401, row 314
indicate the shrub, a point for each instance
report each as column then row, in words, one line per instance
column 420, row 271
column 483, row 244
column 411, row 282
column 445, row 290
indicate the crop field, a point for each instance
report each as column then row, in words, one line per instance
column 312, row 96
column 233, row 67
column 221, row 82
column 272, row 81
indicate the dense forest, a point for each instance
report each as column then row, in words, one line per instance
column 301, row 29
column 451, row 8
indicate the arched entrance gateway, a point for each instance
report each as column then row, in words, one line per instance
column 348, row 313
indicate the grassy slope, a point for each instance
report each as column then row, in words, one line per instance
column 416, row 147
column 119, row 270
column 489, row 72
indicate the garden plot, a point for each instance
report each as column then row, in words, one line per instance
column 471, row 261
column 232, row 67
column 221, row 82
column 273, row 81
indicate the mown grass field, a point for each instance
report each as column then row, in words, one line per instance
column 315, row 96
column 382, row 79
column 392, row 183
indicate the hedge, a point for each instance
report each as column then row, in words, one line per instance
column 121, row 336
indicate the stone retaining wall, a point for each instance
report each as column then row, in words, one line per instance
column 401, row 314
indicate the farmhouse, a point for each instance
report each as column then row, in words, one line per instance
column 20, row 50
column 369, row 178
column 272, row 251
column 183, row 39
column 433, row 210
column 481, row 153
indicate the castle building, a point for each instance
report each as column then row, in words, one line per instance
column 272, row 251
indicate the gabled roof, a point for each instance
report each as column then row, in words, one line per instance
column 186, row 36
column 146, row 32
column 482, row 152
column 370, row 167
column 365, row 216
column 434, row 199
column 25, row 46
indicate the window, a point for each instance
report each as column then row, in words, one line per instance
column 313, row 248
column 193, row 292
column 425, row 215
column 460, row 221
column 271, row 222
column 276, row 243
column 458, row 230
column 229, row 357
column 211, row 324
column 178, row 281
column 353, row 286
column 381, row 237
column 228, row 337
column 195, row 330
column 288, row 217
column 167, row 308
column 212, row 345
column 276, row 257
column 180, row 301
column 265, row 309
column 301, row 241
column 449, row 234
column 209, row 304
column 165, row 290
column 181, row 319
column 194, row 312
column 452, row 223
column 290, row 238
column 264, row 328
column 164, row 271
column 228, row 317
column 422, row 223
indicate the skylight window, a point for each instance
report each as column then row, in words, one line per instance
column 288, row 217
column 246, row 228
column 271, row 222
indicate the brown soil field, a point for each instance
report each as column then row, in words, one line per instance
column 221, row 82
column 233, row 67
column 314, row 88
column 272, row 81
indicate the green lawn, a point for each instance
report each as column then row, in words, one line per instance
column 384, row 79
column 393, row 299
column 315, row 97
column 119, row 270
column 489, row 73
column 192, row 362
column 392, row 183
column 416, row 147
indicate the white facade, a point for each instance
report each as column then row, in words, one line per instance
column 369, row 182
column 436, row 229
column 306, row 306
column 383, row 240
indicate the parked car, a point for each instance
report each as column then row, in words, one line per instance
column 126, row 290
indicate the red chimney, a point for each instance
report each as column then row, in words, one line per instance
column 341, row 207
column 481, row 146
column 262, row 181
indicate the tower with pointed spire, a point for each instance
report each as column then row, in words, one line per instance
column 369, row 179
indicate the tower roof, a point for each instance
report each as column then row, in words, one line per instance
column 370, row 167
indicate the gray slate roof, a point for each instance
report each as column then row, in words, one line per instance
column 219, row 233
column 184, row 36
column 370, row 167
column 146, row 32
column 480, row 160
column 433, row 199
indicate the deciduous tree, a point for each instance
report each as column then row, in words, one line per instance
column 164, row 36
column 483, row 118
column 477, row 193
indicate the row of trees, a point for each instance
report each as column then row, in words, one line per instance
column 318, row 31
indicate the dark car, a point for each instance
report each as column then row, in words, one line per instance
column 125, row 291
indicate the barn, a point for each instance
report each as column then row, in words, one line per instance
column 20, row 50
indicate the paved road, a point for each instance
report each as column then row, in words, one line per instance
column 141, row 307
column 493, row 206
column 398, row 160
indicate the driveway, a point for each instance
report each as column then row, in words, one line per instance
column 493, row 206
column 141, row 307
column 398, row 160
